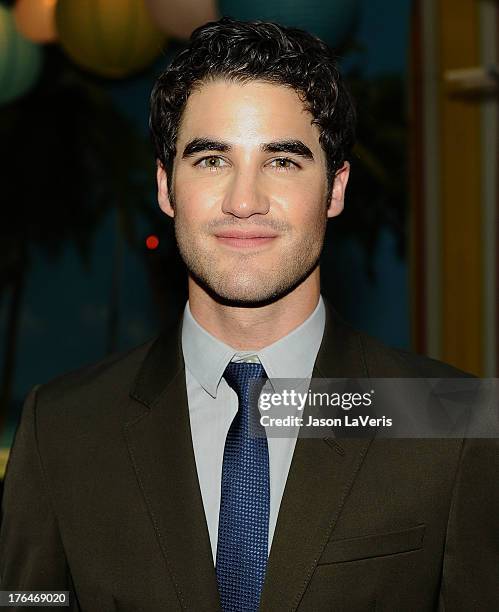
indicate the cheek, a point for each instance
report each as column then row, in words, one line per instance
column 197, row 202
column 304, row 211
column 299, row 197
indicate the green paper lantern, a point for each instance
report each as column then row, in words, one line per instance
column 331, row 20
column 113, row 38
column 20, row 60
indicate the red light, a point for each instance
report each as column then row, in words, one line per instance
column 152, row 242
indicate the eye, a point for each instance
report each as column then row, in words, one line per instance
column 284, row 164
column 212, row 163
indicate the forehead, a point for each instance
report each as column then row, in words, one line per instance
column 246, row 111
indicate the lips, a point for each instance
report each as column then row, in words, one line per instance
column 245, row 235
column 245, row 239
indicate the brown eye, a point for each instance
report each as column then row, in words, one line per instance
column 212, row 162
column 283, row 163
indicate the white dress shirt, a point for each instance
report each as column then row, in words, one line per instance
column 213, row 403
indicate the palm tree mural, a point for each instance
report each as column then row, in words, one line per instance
column 378, row 193
column 67, row 158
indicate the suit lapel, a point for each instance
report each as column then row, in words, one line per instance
column 160, row 448
column 321, row 475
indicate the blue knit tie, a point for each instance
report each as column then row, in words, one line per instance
column 243, row 524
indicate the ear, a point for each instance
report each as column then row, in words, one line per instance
column 163, row 197
column 337, row 201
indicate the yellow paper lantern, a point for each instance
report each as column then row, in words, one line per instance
column 179, row 18
column 113, row 38
column 35, row 19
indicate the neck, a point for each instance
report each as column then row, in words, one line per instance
column 254, row 328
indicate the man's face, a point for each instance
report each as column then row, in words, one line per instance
column 249, row 184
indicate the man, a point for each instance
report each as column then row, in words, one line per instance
column 135, row 485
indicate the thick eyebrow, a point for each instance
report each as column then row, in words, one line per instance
column 296, row 147
column 196, row 145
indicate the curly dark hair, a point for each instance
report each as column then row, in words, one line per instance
column 243, row 51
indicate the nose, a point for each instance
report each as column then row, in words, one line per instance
column 244, row 196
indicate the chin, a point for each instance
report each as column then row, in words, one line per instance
column 243, row 295
column 251, row 293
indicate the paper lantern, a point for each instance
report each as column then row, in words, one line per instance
column 20, row 59
column 179, row 18
column 35, row 19
column 331, row 20
column 113, row 38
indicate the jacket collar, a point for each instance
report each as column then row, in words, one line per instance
column 341, row 354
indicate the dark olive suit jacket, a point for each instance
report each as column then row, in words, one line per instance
column 102, row 499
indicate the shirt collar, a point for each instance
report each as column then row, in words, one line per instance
column 292, row 356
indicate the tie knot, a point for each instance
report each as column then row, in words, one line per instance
column 239, row 374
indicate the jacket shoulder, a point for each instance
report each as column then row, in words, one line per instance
column 384, row 361
column 110, row 376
